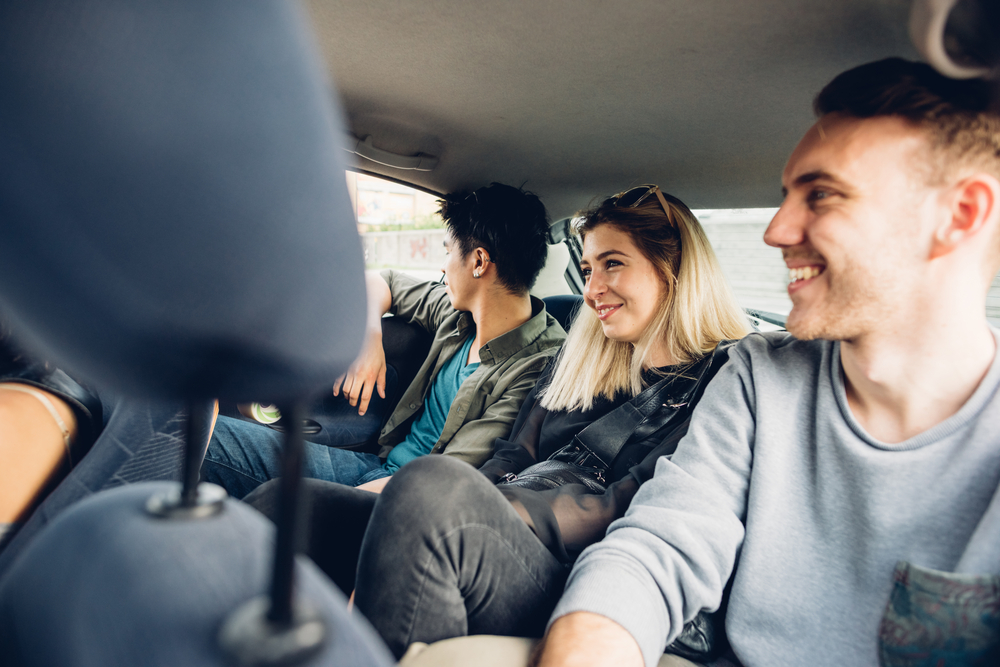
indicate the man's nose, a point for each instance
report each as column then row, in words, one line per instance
column 787, row 227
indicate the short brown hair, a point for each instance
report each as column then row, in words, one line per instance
column 960, row 116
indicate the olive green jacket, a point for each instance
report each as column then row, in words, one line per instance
column 488, row 401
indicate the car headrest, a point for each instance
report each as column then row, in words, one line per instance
column 173, row 208
column 106, row 585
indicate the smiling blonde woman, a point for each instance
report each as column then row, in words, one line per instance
column 696, row 312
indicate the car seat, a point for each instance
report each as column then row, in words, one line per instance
column 176, row 228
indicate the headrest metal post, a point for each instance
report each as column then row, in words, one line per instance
column 192, row 500
column 278, row 629
column 199, row 432
column 290, row 517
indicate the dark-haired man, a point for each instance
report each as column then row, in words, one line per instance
column 491, row 341
column 848, row 473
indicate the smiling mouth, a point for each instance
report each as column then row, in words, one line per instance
column 603, row 312
column 803, row 273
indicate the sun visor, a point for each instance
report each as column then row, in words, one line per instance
column 174, row 218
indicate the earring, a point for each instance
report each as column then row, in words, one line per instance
column 475, row 274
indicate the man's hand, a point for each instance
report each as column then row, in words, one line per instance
column 375, row 486
column 582, row 639
column 365, row 375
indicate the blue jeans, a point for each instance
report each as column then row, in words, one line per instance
column 242, row 455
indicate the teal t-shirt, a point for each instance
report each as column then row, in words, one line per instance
column 427, row 428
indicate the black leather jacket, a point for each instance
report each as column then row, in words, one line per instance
column 568, row 519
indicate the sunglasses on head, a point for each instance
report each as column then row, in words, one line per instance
column 635, row 196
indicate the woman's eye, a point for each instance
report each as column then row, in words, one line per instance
column 585, row 271
column 613, row 262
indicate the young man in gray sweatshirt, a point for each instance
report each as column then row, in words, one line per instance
column 836, row 469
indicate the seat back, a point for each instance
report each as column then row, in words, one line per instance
column 176, row 225
column 563, row 307
column 175, row 218
column 406, row 347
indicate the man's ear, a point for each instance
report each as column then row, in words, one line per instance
column 480, row 261
column 973, row 207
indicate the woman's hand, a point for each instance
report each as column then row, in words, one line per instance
column 365, row 375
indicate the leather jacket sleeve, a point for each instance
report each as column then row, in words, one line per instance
column 569, row 519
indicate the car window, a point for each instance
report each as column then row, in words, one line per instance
column 401, row 229
column 755, row 270
column 399, row 225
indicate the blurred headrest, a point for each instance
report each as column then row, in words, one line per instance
column 173, row 209
column 959, row 38
column 107, row 584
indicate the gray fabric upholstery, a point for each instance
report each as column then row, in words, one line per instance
column 174, row 214
column 588, row 98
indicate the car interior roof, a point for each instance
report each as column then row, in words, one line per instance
column 575, row 100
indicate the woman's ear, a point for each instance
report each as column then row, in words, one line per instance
column 973, row 207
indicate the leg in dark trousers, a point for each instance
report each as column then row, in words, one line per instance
column 338, row 517
column 446, row 555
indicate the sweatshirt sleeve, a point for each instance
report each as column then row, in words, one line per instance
column 672, row 553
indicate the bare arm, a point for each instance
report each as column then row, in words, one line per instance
column 32, row 446
column 367, row 373
column 582, row 639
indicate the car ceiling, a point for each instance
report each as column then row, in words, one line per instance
column 574, row 100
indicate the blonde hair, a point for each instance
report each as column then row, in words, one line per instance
column 698, row 310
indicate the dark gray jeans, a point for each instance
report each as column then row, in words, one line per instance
column 442, row 555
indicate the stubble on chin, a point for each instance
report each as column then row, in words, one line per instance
column 857, row 299
column 845, row 319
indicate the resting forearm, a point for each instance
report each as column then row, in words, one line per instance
column 583, row 639
column 379, row 300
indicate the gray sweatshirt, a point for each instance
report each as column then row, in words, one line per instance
column 776, row 476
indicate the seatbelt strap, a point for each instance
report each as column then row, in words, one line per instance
column 606, row 436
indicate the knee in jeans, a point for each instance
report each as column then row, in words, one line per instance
column 434, row 484
column 433, row 466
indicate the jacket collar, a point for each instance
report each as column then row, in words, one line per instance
column 507, row 345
